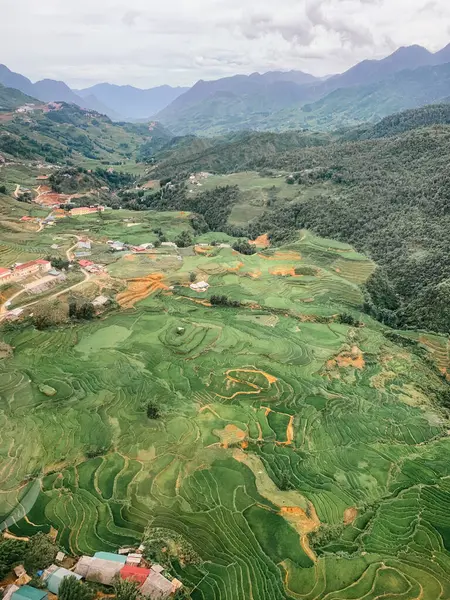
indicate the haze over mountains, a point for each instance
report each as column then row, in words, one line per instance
column 277, row 100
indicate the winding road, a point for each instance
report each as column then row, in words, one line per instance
column 4, row 309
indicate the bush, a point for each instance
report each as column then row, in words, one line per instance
column 243, row 247
column 12, row 552
column 125, row 589
column 72, row 589
column 217, row 300
column 41, row 553
column 184, row 239
column 153, row 411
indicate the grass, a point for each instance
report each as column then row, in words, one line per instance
column 264, row 440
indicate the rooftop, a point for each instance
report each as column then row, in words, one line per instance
column 26, row 592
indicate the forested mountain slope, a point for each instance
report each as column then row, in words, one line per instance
column 69, row 133
column 388, row 195
column 11, row 99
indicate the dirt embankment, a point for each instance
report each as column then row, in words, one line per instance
column 140, row 288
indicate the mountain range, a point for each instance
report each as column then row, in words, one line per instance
column 276, row 100
column 120, row 103
column 235, row 103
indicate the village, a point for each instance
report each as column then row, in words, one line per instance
column 103, row 568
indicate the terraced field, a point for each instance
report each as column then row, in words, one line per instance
column 294, row 456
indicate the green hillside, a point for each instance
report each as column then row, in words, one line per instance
column 316, row 108
column 387, row 194
column 70, row 134
column 11, row 99
column 265, row 451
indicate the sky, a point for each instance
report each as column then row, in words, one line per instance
column 152, row 42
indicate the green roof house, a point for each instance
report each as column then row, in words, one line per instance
column 55, row 579
column 26, row 592
column 111, row 556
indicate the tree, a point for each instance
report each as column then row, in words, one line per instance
column 222, row 300
column 184, row 239
column 49, row 313
column 80, row 308
column 3, row 189
column 58, row 262
column 157, row 243
column 72, row 589
column 11, row 552
column 125, row 589
column 41, row 553
column 153, row 411
column 192, row 277
column 86, row 311
column 243, row 247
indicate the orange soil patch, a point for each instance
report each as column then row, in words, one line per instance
column 270, row 378
column 11, row 536
column 288, row 255
column 130, row 257
column 289, row 433
column 440, row 355
column 256, row 389
column 353, row 359
column 6, row 117
column 231, row 435
column 202, row 302
column 254, row 274
column 244, row 445
column 285, row 271
column 202, row 249
column 236, row 268
column 262, row 241
column 350, row 515
column 148, row 185
column 140, row 288
column 304, row 523
column 260, row 433
column 337, row 269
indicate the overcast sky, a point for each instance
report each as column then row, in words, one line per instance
column 151, row 42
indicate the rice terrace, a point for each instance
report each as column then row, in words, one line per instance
column 288, row 446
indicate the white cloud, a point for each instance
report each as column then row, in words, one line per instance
column 149, row 42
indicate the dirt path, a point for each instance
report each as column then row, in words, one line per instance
column 87, row 277
column 16, row 191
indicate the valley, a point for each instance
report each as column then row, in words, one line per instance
column 233, row 351
column 293, row 453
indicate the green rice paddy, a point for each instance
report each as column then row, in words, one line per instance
column 296, row 457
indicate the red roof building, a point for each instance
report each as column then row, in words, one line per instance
column 85, row 263
column 26, row 218
column 137, row 574
column 34, row 264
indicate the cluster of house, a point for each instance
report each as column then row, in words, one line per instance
column 142, row 247
column 104, row 568
column 90, row 266
column 117, row 246
column 23, row 270
column 83, row 249
column 86, row 210
column 196, row 178
column 26, row 108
